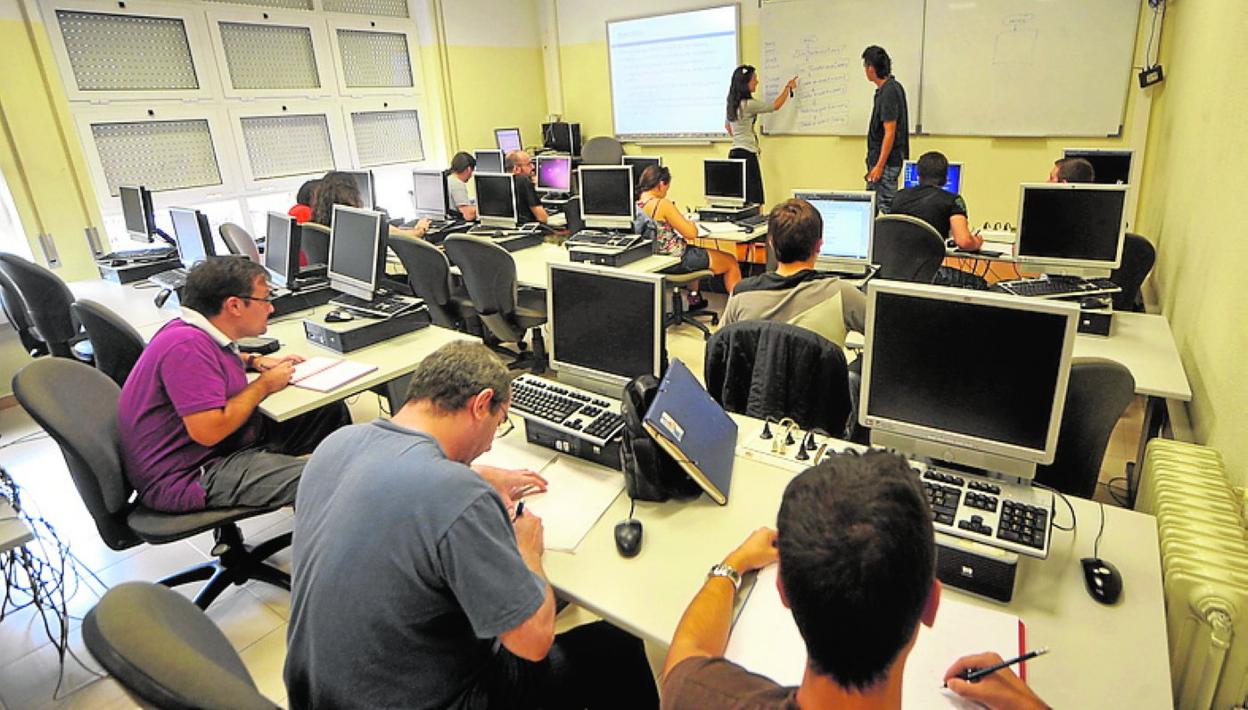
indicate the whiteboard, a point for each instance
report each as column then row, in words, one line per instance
column 670, row 73
column 821, row 41
column 1027, row 67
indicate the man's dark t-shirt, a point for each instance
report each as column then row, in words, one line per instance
column 526, row 199
column 890, row 105
column 931, row 204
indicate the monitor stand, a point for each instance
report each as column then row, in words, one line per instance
column 585, row 381
column 725, row 213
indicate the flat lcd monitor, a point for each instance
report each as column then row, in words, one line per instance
column 1071, row 228
column 136, row 209
column 1110, row 167
column 953, row 177
column 368, row 192
column 357, row 251
column 724, row 182
column 639, row 164
column 554, row 173
column 429, row 194
column 192, row 234
column 605, row 324
column 607, row 196
column 562, row 137
column 488, row 161
column 508, row 139
column 918, row 396
column 281, row 249
column 848, row 228
column 496, row 199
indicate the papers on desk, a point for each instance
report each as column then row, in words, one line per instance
column 766, row 640
column 324, row 374
column 719, row 227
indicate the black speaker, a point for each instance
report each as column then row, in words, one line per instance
column 975, row 568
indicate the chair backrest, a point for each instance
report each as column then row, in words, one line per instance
column 116, row 343
column 239, row 242
column 906, row 248
column 602, row 150
column 1138, row 257
column 489, row 273
column 774, row 369
column 429, row 275
column 314, row 241
column 167, row 652
column 15, row 312
column 77, row 405
column 45, row 299
column 1098, row 393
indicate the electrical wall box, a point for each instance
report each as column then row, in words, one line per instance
column 1151, row 75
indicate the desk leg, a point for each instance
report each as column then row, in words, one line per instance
column 1154, row 420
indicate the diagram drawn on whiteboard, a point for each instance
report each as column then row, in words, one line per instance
column 1018, row 43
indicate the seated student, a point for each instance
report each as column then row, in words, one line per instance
column 930, row 202
column 675, row 231
column 302, row 211
column 528, row 204
column 462, row 167
column 191, row 437
column 857, row 561
column 413, row 586
column 1072, row 170
column 341, row 189
column 796, row 293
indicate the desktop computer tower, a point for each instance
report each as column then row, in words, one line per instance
column 362, row 332
column 976, row 568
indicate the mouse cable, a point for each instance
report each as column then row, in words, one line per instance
column 1073, row 518
column 1096, row 546
column 632, row 505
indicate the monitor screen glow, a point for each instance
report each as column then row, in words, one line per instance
column 554, row 173
column 953, row 177
column 848, row 225
column 508, row 139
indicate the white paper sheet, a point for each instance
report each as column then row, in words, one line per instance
column 576, row 497
column 766, row 640
column 323, row 374
column 505, row 455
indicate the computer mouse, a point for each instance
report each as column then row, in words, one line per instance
column 162, row 297
column 628, row 537
column 1102, row 579
column 338, row 317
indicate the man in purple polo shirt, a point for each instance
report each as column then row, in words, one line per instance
column 191, row 437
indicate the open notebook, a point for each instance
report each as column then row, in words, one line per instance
column 323, row 374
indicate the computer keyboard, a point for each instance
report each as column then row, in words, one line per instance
column 172, row 280
column 382, row 306
column 584, row 414
column 752, row 221
column 1058, row 287
column 138, row 254
column 603, row 239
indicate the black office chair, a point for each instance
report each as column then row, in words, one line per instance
column 1098, row 393
column 906, row 248
column 429, row 275
column 117, row 345
column 15, row 314
column 680, row 313
column 77, row 406
column 45, row 299
column 314, row 241
column 166, row 652
column 602, row 150
column 507, row 311
column 239, row 242
column 1138, row 257
column 769, row 369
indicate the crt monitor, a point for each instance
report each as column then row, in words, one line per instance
column 606, row 324
column 918, row 397
column 1111, row 167
column 1071, row 228
column 136, row 209
column 488, row 161
column 639, row 163
column 554, row 173
column 192, row 234
column 724, row 181
column 953, row 177
column 848, row 228
column 364, row 182
column 357, row 251
column 508, row 139
column 607, row 196
column 281, row 249
column 429, row 194
column 496, row 199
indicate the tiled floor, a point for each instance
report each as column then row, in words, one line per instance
column 253, row 617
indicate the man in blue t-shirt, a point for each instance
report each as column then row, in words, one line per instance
column 412, row 584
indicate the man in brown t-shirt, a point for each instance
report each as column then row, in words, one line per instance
column 857, row 569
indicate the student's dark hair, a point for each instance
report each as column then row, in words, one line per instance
column 739, row 89
column 462, row 161
column 652, row 176
column 455, row 373
column 306, row 190
column 1075, row 170
column 933, row 168
column 794, row 228
column 335, row 189
column 213, row 280
column 857, row 557
column 878, row 58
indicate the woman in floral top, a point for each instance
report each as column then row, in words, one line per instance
column 675, row 230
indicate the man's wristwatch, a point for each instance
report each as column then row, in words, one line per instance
column 723, row 570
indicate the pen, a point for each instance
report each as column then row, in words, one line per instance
column 519, row 509
column 973, row 675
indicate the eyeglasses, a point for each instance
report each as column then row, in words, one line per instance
column 267, row 299
column 504, row 427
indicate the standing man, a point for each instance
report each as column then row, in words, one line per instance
column 888, row 135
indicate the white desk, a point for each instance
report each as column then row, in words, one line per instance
column 1101, row 656
column 1144, row 344
column 134, row 305
column 531, row 263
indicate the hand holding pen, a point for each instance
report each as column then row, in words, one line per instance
column 980, row 678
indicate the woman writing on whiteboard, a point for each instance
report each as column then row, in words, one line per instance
column 743, row 108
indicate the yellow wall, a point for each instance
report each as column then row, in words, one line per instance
column 1196, row 138
column 496, row 87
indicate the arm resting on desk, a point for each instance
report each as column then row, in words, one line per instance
column 211, row 426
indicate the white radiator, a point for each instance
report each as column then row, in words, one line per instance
column 1204, row 562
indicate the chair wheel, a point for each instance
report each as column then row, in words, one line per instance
column 714, row 320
